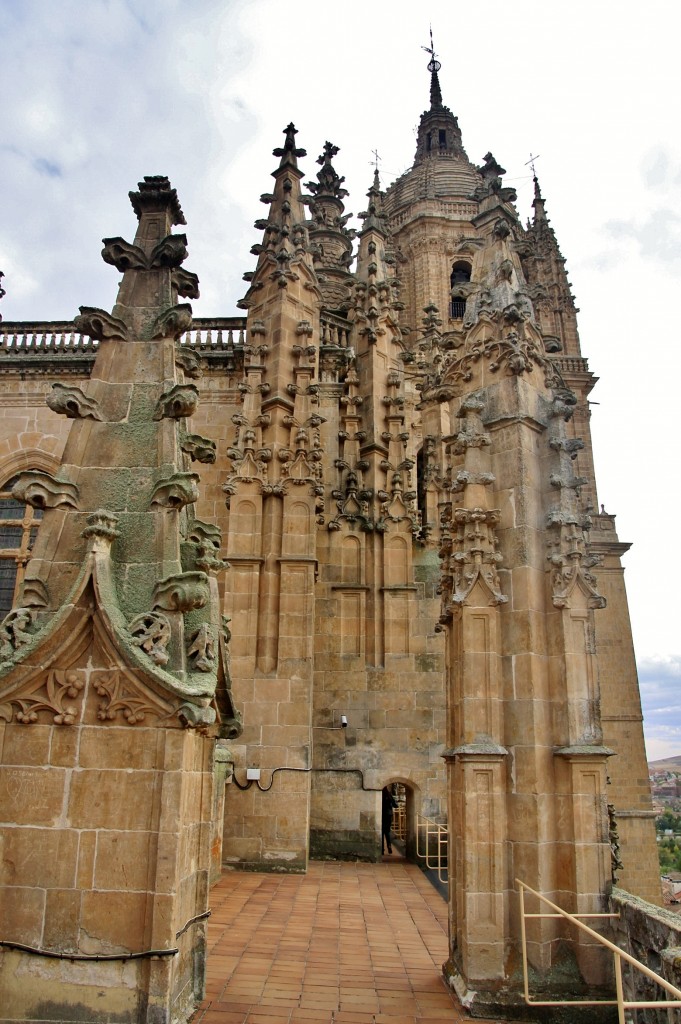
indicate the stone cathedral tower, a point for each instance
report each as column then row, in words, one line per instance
column 395, row 461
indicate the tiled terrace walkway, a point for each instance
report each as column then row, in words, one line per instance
column 346, row 943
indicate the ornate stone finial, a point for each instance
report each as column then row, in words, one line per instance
column 289, row 153
column 328, row 182
column 155, row 193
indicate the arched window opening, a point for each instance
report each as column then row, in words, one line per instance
column 461, row 275
column 442, row 138
column 18, row 529
column 428, row 142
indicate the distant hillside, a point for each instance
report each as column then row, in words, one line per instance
column 670, row 763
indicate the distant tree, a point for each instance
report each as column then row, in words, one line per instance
column 668, row 820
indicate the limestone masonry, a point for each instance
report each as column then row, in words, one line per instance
column 369, row 500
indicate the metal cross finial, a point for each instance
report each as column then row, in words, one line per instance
column 434, row 63
column 530, row 162
column 376, row 159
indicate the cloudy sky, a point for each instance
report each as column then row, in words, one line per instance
column 97, row 93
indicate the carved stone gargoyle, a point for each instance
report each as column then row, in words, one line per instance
column 175, row 491
column 68, row 400
column 42, row 490
column 181, row 400
column 181, row 592
column 201, row 550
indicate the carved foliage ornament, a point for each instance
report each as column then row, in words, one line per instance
column 118, row 697
column 189, row 362
column 508, row 344
column 175, row 491
column 186, row 283
column 151, row 633
column 181, row 400
column 201, row 650
column 206, row 540
column 42, row 490
column 98, row 324
column 199, row 449
column 102, row 525
column 173, row 322
column 14, row 631
column 72, row 402
column 53, row 694
column 171, row 251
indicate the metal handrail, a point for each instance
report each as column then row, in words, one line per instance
column 399, row 827
column 620, row 1002
column 427, row 827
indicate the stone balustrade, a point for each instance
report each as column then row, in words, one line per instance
column 35, row 346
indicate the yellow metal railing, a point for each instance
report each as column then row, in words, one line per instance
column 433, row 853
column 399, row 828
column 619, row 955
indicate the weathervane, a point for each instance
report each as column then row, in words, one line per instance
column 376, row 159
column 434, row 63
column 530, row 162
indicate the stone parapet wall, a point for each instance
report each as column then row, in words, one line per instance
column 652, row 935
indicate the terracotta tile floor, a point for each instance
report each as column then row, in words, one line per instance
column 344, row 944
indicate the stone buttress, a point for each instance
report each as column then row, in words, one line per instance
column 113, row 681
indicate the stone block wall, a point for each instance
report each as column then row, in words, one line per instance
column 105, row 852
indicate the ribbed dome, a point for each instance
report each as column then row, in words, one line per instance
column 441, row 168
column 442, row 176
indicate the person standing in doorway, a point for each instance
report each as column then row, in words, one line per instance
column 388, row 806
